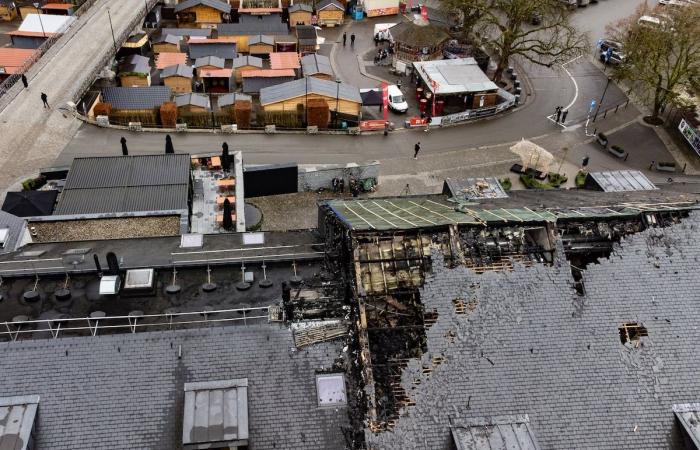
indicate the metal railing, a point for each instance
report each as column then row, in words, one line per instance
column 131, row 323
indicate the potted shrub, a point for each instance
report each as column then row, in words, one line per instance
column 617, row 151
column 581, row 178
column 556, row 179
column 666, row 166
column 602, row 140
column 506, row 184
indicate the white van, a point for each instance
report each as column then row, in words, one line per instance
column 397, row 101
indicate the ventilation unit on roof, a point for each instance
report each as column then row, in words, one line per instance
column 330, row 388
column 192, row 240
column 109, row 285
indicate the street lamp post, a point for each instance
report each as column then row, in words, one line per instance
column 601, row 98
column 36, row 5
column 114, row 40
column 337, row 101
column 306, row 101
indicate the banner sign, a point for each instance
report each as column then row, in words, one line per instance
column 690, row 134
column 385, row 99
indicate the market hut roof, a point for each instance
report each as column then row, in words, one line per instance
column 415, row 35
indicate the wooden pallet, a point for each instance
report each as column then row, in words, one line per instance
column 310, row 336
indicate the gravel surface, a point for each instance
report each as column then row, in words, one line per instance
column 284, row 212
column 98, row 229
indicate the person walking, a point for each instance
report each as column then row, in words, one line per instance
column 45, row 100
column 563, row 115
column 558, row 113
column 651, row 166
column 125, row 150
column 416, row 149
column 24, row 81
column 352, row 40
column 345, row 38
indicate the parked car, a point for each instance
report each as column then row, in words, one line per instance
column 612, row 57
column 397, row 101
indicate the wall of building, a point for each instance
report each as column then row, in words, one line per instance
column 134, row 80
column 344, row 106
column 299, row 17
column 315, row 178
column 166, row 48
column 179, row 84
column 260, row 49
column 206, row 14
column 330, row 17
column 7, row 13
column 239, row 71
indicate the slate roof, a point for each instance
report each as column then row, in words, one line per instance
column 30, row 203
column 179, row 70
column 135, row 64
column 192, row 99
column 167, row 39
column 214, row 61
column 490, row 433
column 126, row 391
column 126, row 184
column 250, row 25
column 532, row 346
column 300, row 7
column 216, row 4
column 306, row 35
column 329, row 4
column 247, row 60
column 298, row 88
column 313, row 64
column 261, row 39
column 14, row 226
column 230, row 99
column 223, row 50
column 145, row 97
column 189, row 32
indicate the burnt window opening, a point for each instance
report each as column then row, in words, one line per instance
column 632, row 332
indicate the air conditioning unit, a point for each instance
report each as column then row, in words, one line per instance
column 180, row 127
column 135, row 126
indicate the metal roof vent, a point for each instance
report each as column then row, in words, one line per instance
column 139, row 279
column 331, row 389
column 109, row 285
column 191, row 240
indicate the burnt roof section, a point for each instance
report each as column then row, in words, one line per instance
column 216, row 4
column 102, row 376
column 126, row 184
column 179, row 70
column 213, row 61
column 135, row 64
column 223, row 50
column 314, row 64
column 192, row 99
column 531, row 345
column 493, row 433
column 473, row 188
column 216, row 413
column 30, row 203
column 250, row 25
column 17, row 415
column 145, row 97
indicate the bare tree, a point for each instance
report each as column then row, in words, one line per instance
column 506, row 27
column 661, row 56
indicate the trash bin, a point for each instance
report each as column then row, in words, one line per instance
column 358, row 14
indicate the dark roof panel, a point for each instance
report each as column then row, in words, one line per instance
column 136, row 64
column 200, row 32
column 316, row 64
column 145, row 97
column 30, row 203
column 179, row 70
column 192, row 99
column 250, row 25
column 216, row 4
column 299, row 87
column 247, row 60
column 300, row 7
column 213, row 61
column 230, row 99
column 329, row 4
column 491, row 433
column 223, row 50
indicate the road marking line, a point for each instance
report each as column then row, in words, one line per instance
column 573, row 80
column 551, row 117
column 571, row 60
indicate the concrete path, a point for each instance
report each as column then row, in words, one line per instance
column 31, row 136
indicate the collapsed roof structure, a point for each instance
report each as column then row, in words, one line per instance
column 415, row 322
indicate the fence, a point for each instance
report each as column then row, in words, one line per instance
column 131, row 323
column 472, row 114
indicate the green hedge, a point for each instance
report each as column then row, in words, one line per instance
column 581, row 178
column 506, row 184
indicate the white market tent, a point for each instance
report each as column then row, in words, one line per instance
column 51, row 23
column 454, row 76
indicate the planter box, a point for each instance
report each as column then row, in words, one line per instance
column 665, row 167
column 603, row 142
